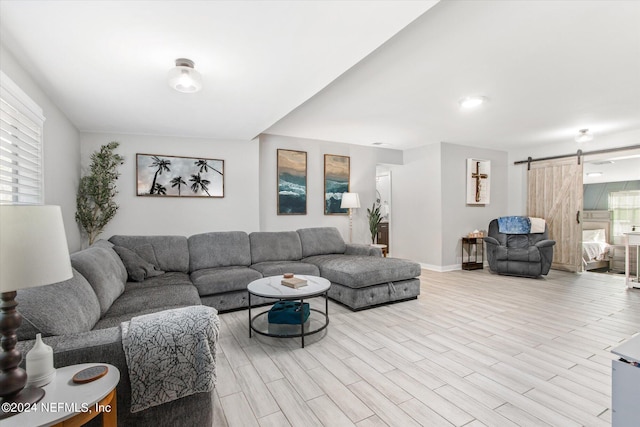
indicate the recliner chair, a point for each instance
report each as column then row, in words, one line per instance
column 528, row 255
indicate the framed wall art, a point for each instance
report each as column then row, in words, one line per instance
column 292, row 182
column 175, row 176
column 336, row 182
column 478, row 182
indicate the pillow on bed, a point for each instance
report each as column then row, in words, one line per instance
column 594, row 235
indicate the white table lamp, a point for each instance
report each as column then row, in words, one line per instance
column 33, row 252
column 350, row 201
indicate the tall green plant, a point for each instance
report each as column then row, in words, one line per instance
column 375, row 218
column 96, row 192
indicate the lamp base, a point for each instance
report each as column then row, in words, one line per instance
column 20, row 402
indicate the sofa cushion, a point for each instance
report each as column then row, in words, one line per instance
column 104, row 270
column 360, row 271
column 219, row 249
column 138, row 269
column 67, row 307
column 135, row 300
column 321, row 241
column 224, row 279
column 171, row 252
column 275, row 268
column 115, row 321
column 166, row 279
column 275, row 246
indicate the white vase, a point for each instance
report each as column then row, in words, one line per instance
column 40, row 370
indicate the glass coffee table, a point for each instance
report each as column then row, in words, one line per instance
column 270, row 287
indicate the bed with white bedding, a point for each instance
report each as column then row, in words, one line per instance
column 596, row 228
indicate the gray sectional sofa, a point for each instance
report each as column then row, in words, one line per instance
column 81, row 317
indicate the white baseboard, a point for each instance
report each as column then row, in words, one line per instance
column 441, row 268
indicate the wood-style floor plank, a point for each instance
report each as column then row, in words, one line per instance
column 475, row 349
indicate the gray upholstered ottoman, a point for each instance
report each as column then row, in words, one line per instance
column 363, row 281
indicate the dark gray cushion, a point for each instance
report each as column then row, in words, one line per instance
column 275, row 246
column 321, row 241
column 135, row 300
column 65, row 307
column 104, row 270
column 219, row 249
column 360, row 271
column 171, row 252
column 530, row 254
column 137, row 268
column 223, row 279
column 275, row 268
column 147, row 253
column 166, row 279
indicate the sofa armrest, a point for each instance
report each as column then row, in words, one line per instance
column 545, row 243
column 491, row 241
column 363, row 250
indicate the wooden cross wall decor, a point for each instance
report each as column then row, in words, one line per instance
column 478, row 176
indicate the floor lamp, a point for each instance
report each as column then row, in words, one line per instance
column 33, row 252
column 350, row 201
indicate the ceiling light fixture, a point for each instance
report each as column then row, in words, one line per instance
column 470, row 102
column 594, row 174
column 184, row 78
column 584, row 136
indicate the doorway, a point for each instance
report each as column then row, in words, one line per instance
column 383, row 199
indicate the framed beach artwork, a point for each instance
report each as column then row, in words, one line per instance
column 336, row 182
column 175, row 176
column 478, row 182
column 292, row 182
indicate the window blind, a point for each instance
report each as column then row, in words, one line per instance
column 21, row 125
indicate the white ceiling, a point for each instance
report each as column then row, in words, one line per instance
column 547, row 68
column 105, row 63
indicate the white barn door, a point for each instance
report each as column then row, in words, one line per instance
column 555, row 193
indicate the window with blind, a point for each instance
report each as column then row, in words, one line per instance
column 21, row 123
column 626, row 212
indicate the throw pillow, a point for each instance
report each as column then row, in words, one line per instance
column 138, row 269
column 147, row 253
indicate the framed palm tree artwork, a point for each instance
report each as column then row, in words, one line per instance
column 176, row 176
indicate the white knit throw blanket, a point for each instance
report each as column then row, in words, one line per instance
column 170, row 354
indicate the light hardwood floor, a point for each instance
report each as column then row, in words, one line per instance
column 475, row 349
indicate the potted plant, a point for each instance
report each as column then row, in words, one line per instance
column 375, row 218
column 96, row 191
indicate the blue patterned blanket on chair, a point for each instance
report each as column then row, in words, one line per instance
column 514, row 225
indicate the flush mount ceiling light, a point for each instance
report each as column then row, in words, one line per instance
column 594, row 174
column 184, row 78
column 469, row 102
column 584, row 136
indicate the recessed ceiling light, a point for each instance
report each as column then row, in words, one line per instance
column 377, row 143
column 594, row 174
column 584, row 136
column 469, row 102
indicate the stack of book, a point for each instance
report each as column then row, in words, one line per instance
column 294, row 282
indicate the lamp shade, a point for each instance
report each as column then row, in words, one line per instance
column 350, row 200
column 33, row 247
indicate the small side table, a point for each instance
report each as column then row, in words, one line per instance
column 68, row 404
column 475, row 262
column 383, row 248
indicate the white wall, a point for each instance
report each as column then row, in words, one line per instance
column 363, row 173
column 458, row 218
column 416, row 193
column 61, row 143
column 238, row 210
column 518, row 173
column 430, row 213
